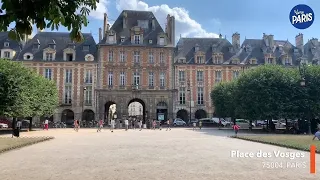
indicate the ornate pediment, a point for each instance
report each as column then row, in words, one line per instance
column 137, row 30
column 49, row 50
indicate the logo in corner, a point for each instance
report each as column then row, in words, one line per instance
column 301, row 16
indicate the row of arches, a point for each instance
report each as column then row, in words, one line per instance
column 184, row 114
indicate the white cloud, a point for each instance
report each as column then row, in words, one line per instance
column 185, row 25
column 101, row 9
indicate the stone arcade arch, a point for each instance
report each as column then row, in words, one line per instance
column 143, row 108
column 200, row 113
column 67, row 116
column 88, row 115
column 183, row 114
column 107, row 113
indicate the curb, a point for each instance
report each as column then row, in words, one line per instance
column 26, row 144
column 274, row 144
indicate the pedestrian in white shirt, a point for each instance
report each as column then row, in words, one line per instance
column 46, row 124
column 126, row 123
column 112, row 125
column 140, row 125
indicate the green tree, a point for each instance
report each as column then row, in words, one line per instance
column 45, row 14
column 223, row 99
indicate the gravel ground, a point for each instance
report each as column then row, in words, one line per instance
column 179, row 154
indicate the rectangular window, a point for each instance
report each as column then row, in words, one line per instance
column 122, row 56
column 136, row 56
column 110, row 56
column 161, row 57
column 136, row 79
column 67, row 94
column 200, row 59
column 49, row 56
column 122, row 78
column 161, row 43
column 162, row 77
column 151, row 78
column 182, row 95
column 110, row 79
column 7, row 54
column 48, row 74
column 151, row 59
column 136, row 39
column 69, row 57
column 270, row 60
column 199, row 75
column 287, row 61
column 218, row 76
column 200, row 96
column 181, row 75
column 88, row 95
column 68, row 76
column 235, row 74
column 88, row 77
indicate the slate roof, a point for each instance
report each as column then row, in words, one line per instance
column 62, row 41
column 312, row 50
column 132, row 21
column 15, row 45
column 186, row 48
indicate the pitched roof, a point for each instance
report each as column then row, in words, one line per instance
column 186, row 48
column 4, row 38
column 312, row 50
column 62, row 41
column 132, row 18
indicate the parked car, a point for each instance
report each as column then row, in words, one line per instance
column 223, row 121
column 179, row 122
column 208, row 122
column 244, row 124
column 4, row 126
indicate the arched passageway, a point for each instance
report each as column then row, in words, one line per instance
column 67, row 117
column 137, row 109
column 183, row 114
column 200, row 113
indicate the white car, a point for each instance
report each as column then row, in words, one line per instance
column 223, row 122
column 2, row 125
column 244, row 124
column 179, row 122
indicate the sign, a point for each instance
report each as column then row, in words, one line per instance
column 161, row 116
column 301, row 16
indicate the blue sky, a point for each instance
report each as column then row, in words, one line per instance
column 251, row 18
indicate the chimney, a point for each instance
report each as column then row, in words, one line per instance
column 271, row 40
column 124, row 19
column 171, row 28
column 299, row 41
column 153, row 23
column 100, row 34
column 105, row 24
column 236, row 40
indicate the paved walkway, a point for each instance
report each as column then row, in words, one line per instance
column 180, row 154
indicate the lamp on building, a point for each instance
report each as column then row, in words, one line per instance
column 189, row 90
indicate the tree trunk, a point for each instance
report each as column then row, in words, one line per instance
column 287, row 128
column 30, row 125
column 250, row 125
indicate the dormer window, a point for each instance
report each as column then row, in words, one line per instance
column 122, row 38
column 52, row 46
column 161, row 42
column 85, row 48
column 49, row 57
column 200, row 60
column 270, row 60
column 150, row 41
column 69, row 56
column 217, row 59
column 182, row 60
column 6, row 44
column 136, row 39
column 235, row 61
column 253, row 61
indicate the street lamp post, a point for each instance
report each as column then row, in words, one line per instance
column 189, row 90
column 302, row 71
column 84, row 89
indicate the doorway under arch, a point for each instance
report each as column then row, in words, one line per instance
column 162, row 111
column 140, row 111
column 109, row 109
column 200, row 113
column 67, row 117
column 183, row 114
column 88, row 115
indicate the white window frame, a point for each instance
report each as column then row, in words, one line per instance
column 235, row 74
column 122, row 78
column 218, row 76
column 6, row 44
column 48, row 73
column 68, row 78
column 136, row 56
column 136, row 78
column 200, row 76
column 161, row 41
column 49, row 56
column 68, row 94
column 7, row 54
column 200, row 94
column 199, row 59
column 162, row 79
column 182, row 95
column 122, row 56
column 110, row 56
column 110, row 78
column 88, row 77
column 161, row 57
column 151, row 79
column 88, row 95
column 137, row 39
column 151, row 58
column 182, row 75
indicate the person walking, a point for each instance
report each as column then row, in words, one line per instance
column 168, row 125
column 126, row 124
column 17, row 128
column 112, row 125
column 194, row 126
column 76, row 125
column 133, row 124
column 46, row 124
column 317, row 134
column 140, row 124
column 200, row 125
column 160, row 125
column 154, row 124
column 100, row 125
column 236, row 129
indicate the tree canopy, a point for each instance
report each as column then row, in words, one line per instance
column 45, row 14
column 23, row 93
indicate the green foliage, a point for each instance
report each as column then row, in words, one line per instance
column 45, row 14
column 269, row 92
column 25, row 94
